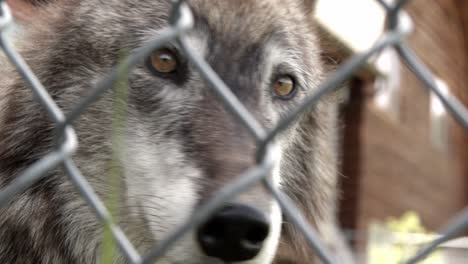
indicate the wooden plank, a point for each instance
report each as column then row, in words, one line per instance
column 459, row 134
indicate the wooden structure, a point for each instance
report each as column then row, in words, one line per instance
column 391, row 165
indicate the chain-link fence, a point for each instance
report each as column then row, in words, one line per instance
column 181, row 21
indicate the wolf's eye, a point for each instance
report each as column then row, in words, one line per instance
column 284, row 87
column 164, row 61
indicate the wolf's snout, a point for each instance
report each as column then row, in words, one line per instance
column 235, row 233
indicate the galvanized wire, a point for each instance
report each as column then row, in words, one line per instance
column 180, row 22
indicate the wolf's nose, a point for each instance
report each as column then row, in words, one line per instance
column 235, row 233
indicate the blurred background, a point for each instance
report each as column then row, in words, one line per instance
column 404, row 159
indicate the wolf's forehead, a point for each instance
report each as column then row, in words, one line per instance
column 244, row 22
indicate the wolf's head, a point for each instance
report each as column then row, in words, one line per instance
column 179, row 144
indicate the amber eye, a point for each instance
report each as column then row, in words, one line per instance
column 164, row 61
column 284, row 87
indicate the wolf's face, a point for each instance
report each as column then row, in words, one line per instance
column 179, row 144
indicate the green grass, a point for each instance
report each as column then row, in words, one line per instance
column 119, row 117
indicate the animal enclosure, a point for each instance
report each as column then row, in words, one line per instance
column 395, row 36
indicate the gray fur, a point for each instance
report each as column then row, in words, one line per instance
column 180, row 145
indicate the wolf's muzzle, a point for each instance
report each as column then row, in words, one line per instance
column 235, row 233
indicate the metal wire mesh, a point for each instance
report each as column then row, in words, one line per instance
column 181, row 21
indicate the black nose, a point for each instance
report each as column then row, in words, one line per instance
column 235, row 233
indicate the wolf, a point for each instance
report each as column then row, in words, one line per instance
column 179, row 145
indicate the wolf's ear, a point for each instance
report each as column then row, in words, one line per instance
column 25, row 10
column 309, row 5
